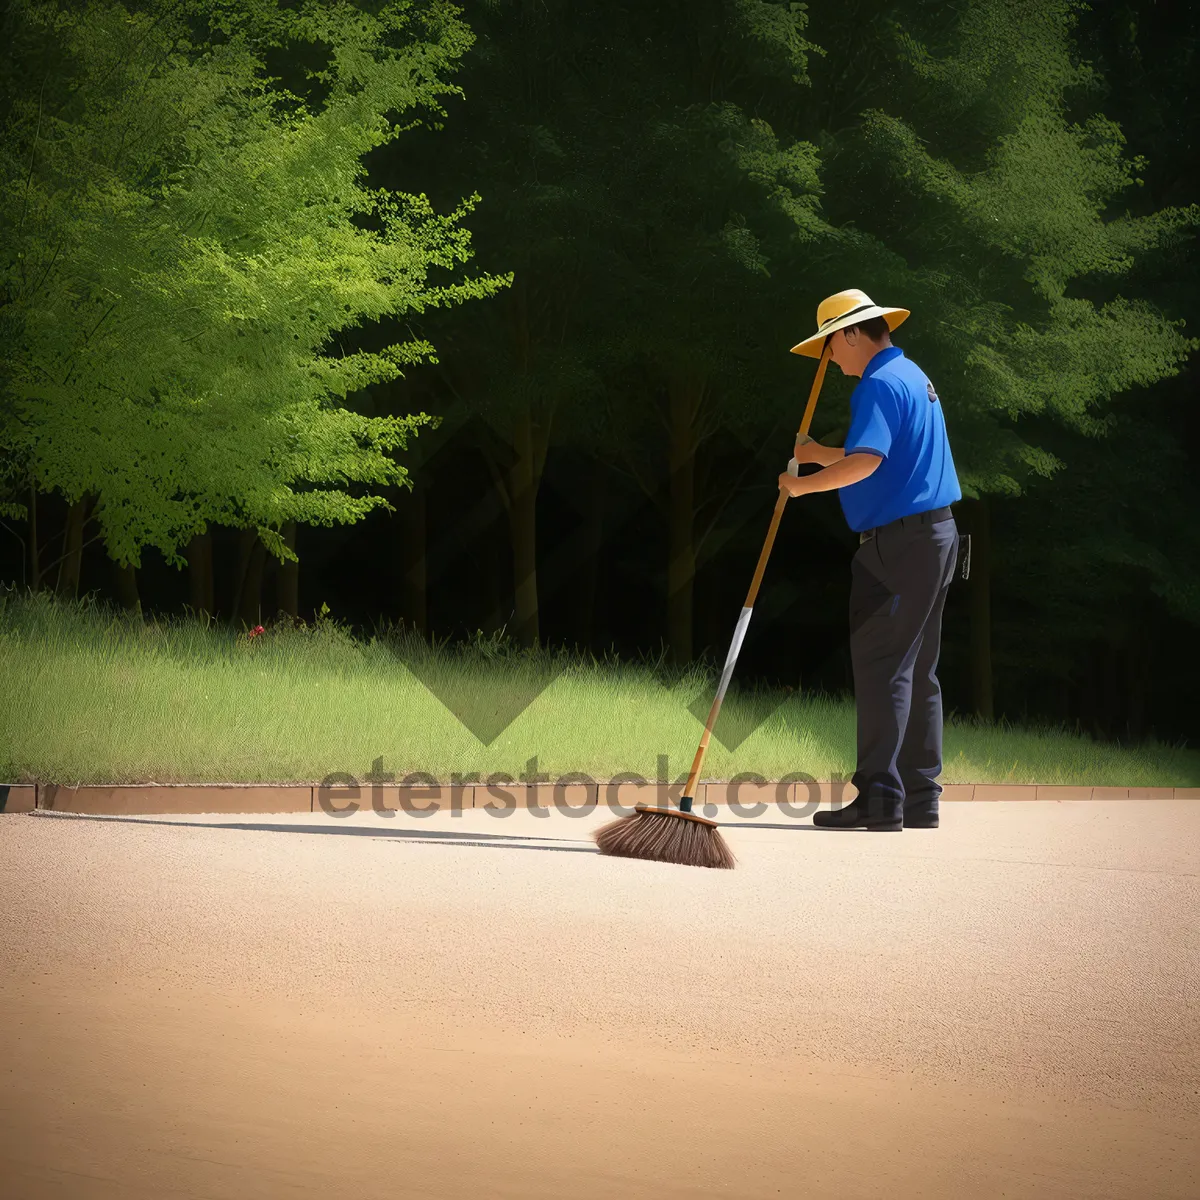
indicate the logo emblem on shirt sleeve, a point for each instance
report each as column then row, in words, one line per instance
column 932, row 394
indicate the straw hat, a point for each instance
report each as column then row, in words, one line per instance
column 846, row 308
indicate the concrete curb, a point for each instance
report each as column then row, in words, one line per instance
column 567, row 795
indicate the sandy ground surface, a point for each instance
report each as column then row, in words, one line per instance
column 245, row 1008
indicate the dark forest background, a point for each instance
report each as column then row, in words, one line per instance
column 672, row 188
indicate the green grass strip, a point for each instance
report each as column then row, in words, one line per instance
column 94, row 695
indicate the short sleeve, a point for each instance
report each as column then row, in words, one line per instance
column 873, row 419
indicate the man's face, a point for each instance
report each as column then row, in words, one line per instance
column 851, row 349
column 842, row 350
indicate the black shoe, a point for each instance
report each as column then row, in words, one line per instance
column 882, row 818
column 921, row 814
column 921, row 822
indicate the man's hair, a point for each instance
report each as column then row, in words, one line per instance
column 876, row 328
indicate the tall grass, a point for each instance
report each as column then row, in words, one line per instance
column 96, row 695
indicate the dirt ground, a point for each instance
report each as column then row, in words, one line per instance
column 470, row 1006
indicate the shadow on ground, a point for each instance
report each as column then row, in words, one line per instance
column 429, row 837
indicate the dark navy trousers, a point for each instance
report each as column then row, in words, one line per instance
column 899, row 581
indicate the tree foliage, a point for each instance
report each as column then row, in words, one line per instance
column 993, row 207
column 202, row 285
column 186, row 241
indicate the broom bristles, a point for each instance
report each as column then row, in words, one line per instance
column 666, row 837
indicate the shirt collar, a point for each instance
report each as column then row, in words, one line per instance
column 884, row 357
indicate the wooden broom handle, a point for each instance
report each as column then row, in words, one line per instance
column 818, row 379
column 697, row 762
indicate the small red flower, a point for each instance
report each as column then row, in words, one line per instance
column 256, row 631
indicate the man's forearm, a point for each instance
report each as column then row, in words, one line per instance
column 831, row 454
column 843, row 471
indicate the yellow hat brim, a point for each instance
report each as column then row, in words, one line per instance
column 811, row 347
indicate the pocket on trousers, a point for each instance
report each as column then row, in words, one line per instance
column 870, row 595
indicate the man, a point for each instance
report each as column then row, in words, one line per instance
column 896, row 480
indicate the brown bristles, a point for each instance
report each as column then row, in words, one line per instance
column 661, row 835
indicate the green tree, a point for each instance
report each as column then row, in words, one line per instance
column 1109, row 547
column 700, row 335
column 627, row 190
column 523, row 370
column 974, row 181
column 186, row 243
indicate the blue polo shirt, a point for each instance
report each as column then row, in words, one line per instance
column 895, row 413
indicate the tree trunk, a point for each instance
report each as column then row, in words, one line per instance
column 250, row 613
column 414, row 584
column 247, row 591
column 979, row 527
column 1106, row 662
column 200, row 574
column 590, row 542
column 69, row 569
column 1099, row 705
column 35, row 570
column 522, row 526
column 288, row 577
column 1113, row 705
column 683, row 399
column 125, row 578
column 493, row 568
column 1138, row 660
column 1095, row 697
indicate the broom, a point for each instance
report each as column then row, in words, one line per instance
column 679, row 835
